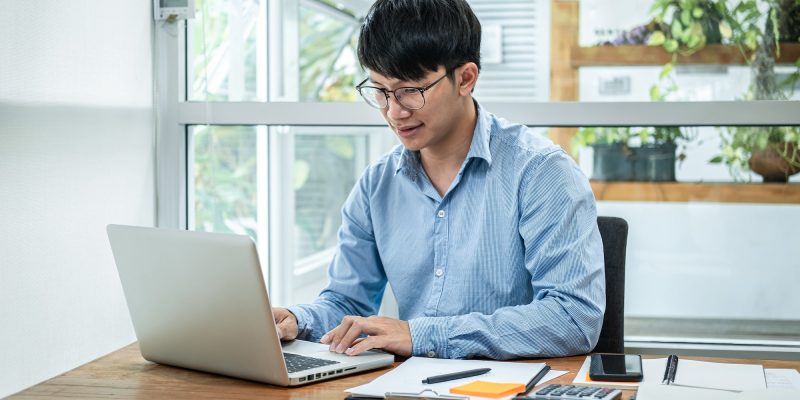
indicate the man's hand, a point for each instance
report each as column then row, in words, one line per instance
column 385, row 333
column 286, row 322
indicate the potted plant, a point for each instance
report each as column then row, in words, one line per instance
column 655, row 158
column 611, row 161
column 771, row 152
column 686, row 26
column 631, row 154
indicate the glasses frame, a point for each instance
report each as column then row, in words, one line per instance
column 386, row 92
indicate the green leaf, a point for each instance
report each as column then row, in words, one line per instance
column 342, row 146
column 693, row 41
column 301, row 172
column 716, row 160
column 750, row 40
column 686, row 17
column 671, row 45
column 655, row 93
column 763, row 141
column 725, row 29
column 667, row 69
column 658, row 38
column 698, row 12
column 676, row 29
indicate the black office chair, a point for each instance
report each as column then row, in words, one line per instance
column 614, row 232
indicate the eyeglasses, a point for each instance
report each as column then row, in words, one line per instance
column 412, row 98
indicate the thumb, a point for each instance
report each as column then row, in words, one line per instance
column 280, row 331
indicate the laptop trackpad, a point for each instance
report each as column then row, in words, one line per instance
column 319, row 350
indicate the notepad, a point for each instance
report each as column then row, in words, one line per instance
column 700, row 374
column 407, row 377
column 488, row 389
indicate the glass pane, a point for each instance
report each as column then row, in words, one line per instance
column 657, row 51
column 599, row 52
column 224, row 179
column 227, row 51
column 328, row 62
column 711, row 248
column 326, row 168
column 690, row 154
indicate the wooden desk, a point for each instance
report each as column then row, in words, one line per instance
column 124, row 374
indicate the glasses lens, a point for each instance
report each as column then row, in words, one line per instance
column 410, row 98
column 373, row 97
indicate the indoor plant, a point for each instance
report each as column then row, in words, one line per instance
column 756, row 27
column 611, row 160
column 771, row 152
column 635, row 154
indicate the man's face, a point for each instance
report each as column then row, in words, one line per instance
column 425, row 127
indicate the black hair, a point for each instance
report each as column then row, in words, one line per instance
column 405, row 39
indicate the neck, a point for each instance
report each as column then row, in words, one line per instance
column 451, row 152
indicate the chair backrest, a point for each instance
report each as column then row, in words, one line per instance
column 614, row 232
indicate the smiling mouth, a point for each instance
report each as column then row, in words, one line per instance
column 407, row 131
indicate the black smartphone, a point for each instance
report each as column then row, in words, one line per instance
column 616, row 367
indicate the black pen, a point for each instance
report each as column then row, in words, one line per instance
column 456, row 375
column 670, row 370
column 535, row 380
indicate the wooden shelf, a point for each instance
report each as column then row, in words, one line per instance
column 655, row 55
column 771, row 193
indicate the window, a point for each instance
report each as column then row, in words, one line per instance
column 283, row 186
column 276, row 137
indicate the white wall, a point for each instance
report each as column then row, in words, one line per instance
column 710, row 260
column 76, row 153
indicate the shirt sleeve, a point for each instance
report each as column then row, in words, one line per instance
column 564, row 256
column 356, row 276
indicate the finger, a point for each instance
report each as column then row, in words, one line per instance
column 334, row 335
column 283, row 330
column 287, row 328
column 367, row 343
column 356, row 329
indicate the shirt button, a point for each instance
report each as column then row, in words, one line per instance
column 441, row 214
column 439, row 272
column 431, row 354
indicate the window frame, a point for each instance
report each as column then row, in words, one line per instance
column 173, row 115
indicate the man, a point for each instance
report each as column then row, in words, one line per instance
column 486, row 231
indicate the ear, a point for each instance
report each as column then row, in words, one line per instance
column 466, row 77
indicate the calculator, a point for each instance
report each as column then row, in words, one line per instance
column 571, row 392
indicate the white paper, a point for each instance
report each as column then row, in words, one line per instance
column 652, row 391
column 408, row 376
column 702, row 374
column 657, row 391
column 778, row 378
column 726, row 376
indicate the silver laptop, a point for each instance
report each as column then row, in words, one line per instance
column 198, row 300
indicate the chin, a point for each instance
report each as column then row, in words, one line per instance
column 412, row 145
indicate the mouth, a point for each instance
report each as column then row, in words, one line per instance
column 407, row 131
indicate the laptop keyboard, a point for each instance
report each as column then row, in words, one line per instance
column 296, row 362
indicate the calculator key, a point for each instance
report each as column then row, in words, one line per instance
column 572, row 392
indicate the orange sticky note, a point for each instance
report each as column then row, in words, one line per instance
column 488, row 389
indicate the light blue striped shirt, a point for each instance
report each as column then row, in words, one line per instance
column 508, row 264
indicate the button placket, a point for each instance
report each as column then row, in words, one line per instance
column 440, row 251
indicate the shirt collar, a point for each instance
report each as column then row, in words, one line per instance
column 478, row 148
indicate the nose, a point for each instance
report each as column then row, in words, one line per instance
column 395, row 111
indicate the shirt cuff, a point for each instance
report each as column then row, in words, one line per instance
column 429, row 337
column 304, row 319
